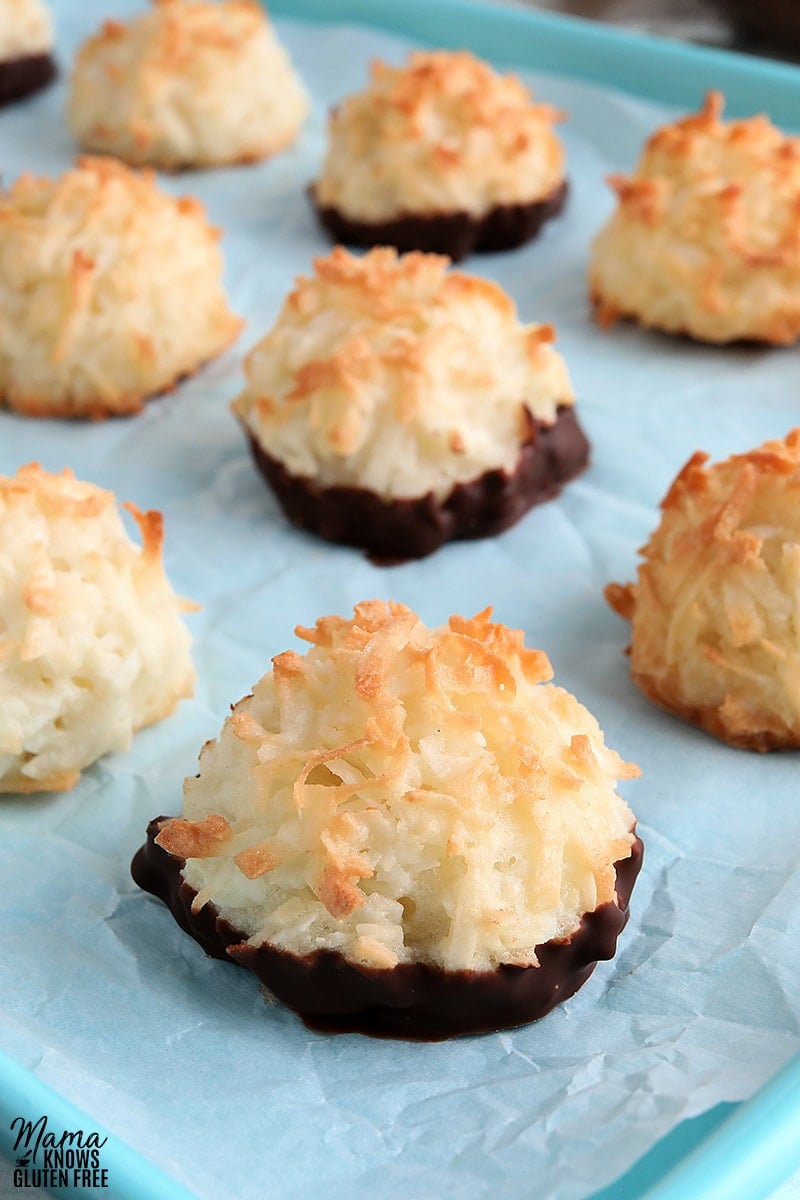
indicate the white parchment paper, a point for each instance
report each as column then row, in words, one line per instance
column 104, row 998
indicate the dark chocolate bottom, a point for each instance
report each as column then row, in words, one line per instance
column 20, row 77
column 411, row 1000
column 455, row 234
column 393, row 531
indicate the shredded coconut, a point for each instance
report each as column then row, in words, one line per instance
column 98, row 270
column 716, row 610
column 187, row 83
column 92, row 646
column 405, row 794
column 706, row 237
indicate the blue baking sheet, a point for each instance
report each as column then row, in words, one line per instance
column 228, row 547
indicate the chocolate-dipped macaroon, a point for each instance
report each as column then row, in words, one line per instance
column 442, row 154
column 405, row 832
column 26, row 49
column 395, row 406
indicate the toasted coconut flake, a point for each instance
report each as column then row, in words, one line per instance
column 195, row 839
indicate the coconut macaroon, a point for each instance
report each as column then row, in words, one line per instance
column 396, row 405
column 405, row 831
column 98, row 271
column 441, row 154
column 715, row 634
column 26, row 49
column 189, row 83
column 92, row 645
column 705, row 240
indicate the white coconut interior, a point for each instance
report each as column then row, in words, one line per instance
column 405, row 794
column 26, row 27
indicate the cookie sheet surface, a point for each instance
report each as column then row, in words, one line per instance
column 105, row 999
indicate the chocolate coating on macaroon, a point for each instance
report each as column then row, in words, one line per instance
column 441, row 153
column 400, row 814
column 25, row 75
column 411, row 1000
column 393, row 531
column 456, row 234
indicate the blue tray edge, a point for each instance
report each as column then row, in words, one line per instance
column 130, row 1175
column 753, row 1152
column 742, row 1151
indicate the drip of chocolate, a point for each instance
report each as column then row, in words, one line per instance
column 393, row 531
column 20, row 77
column 412, row 1000
column 455, row 234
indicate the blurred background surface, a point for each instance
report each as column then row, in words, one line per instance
column 769, row 27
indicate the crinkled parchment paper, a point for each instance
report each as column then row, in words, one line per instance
column 105, row 999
